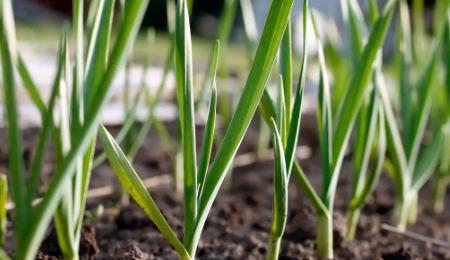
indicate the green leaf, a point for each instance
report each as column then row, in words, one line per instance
column 267, row 107
column 309, row 191
column 47, row 126
column 423, row 110
column 85, row 178
column 15, row 162
column 64, row 222
column 373, row 10
column 77, row 100
column 280, row 186
column 131, row 181
column 208, row 139
column 30, row 86
column 281, row 110
column 296, row 114
column 368, row 122
column 184, row 68
column 210, row 73
column 3, row 255
column 406, row 88
column 446, row 46
column 208, row 136
column 356, row 27
column 324, row 116
column 427, row 162
column 373, row 173
column 399, row 165
column 98, row 47
column 286, row 70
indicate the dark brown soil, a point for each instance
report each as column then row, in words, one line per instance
column 240, row 219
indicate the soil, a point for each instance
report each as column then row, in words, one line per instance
column 239, row 222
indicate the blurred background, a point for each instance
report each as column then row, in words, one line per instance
column 204, row 17
column 39, row 23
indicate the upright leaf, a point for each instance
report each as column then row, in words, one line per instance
column 15, row 165
column 208, row 135
column 186, row 111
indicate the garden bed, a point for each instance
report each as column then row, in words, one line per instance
column 240, row 220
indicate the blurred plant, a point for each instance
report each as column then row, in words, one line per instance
column 442, row 117
column 408, row 165
column 73, row 128
column 334, row 137
column 370, row 141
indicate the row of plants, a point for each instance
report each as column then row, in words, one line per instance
column 384, row 125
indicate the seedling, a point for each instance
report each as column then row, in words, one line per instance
column 280, row 197
column 285, row 139
column 409, row 165
column 74, row 130
column 334, row 136
column 370, row 140
column 200, row 194
column 442, row 179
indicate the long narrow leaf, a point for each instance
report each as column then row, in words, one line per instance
column 208, row 135
column 427, row 162
column 373, row 175
column 15, row 165
column 98, row 46
column 286, row 69
column 324, row 118
column 30, row 86
column 369, row 117
column 423, row 110
column 280, row 183
column 47, row 126
column 393, row 138
column 296, row 114
column 131, row 181
column 208, row 138
column 186, row 112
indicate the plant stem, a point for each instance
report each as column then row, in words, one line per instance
column 185, row 257
column 178, row 171
column 325, row 236
column 274, row 247
column 413, row 208
column 440, row 190
column 406, row 211
column 352, row 222
column 71, row 256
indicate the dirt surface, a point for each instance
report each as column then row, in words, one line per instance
column 240, row 219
